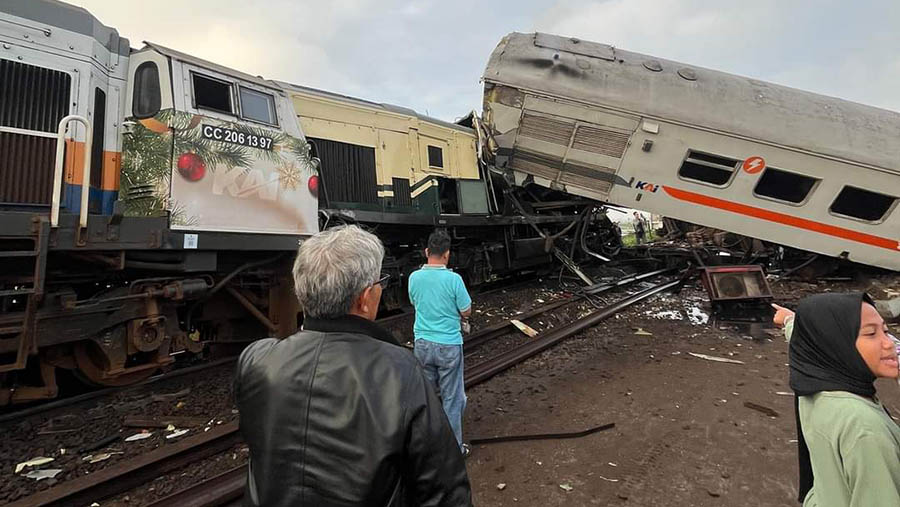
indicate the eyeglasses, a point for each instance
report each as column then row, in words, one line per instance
column 383, row 281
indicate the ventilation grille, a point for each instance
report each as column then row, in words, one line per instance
column 534, row 164
column 546, row 129
column 34, row 98
column 402, row 196
column 26, row 168
column 349, row 171
column 602, row 141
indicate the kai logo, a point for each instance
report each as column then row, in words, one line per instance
column 646, row 186
column 243, row 183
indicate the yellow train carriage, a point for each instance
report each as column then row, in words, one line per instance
column 379, row 157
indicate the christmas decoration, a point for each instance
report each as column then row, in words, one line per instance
column 313, row 185
column 191, row 166
column 289, row 176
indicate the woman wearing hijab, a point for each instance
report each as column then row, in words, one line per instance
column 848, row 445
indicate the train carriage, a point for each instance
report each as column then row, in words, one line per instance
column 783, row 165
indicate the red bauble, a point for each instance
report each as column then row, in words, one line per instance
column 191, row 166
column 313, row 185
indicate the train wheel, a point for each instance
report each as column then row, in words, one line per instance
column 96, row 367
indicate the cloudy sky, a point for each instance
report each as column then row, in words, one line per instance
column 429, row 54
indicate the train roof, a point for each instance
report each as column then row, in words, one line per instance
column 68, row 17
column 405, row 111
column 648, row 86
column 215, row 67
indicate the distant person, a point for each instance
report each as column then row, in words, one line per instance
column 442, row 302
column 639, row 228
column 848, row 445
column 339, row 414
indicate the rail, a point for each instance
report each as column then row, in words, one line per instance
column 487, row 369
column 56, row 197
column 126, row 475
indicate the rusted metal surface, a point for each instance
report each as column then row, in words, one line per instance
column 124, row 476
column 222, row 490
column 483, row 371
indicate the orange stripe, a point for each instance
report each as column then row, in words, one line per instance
column 781, row 218
column 74, row 166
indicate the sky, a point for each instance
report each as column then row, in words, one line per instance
column 428, row 55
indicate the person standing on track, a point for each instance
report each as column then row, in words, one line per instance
column 340, row 414
column 639, row 229
column 442, row 305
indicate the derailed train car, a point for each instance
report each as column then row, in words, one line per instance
column 770, row 162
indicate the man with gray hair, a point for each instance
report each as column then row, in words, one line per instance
column 339, row 414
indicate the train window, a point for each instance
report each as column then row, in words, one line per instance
column 257, row 106
column 706, row 168
column 862, row 204
column 210, row 93
column 147, row 99
column 784, row 186
column 435, row 156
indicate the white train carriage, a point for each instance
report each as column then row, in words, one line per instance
column 783, row 165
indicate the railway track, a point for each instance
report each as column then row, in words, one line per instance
column 16, row 415
column 130, row 474
column 227, row 488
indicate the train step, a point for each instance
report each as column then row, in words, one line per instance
column 18, row 253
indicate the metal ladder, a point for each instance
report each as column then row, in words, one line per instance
column 21, row 333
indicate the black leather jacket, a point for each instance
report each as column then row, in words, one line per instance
column 339, row 415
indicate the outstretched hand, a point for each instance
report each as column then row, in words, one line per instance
column 781, row 315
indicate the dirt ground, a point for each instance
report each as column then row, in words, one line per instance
column 683, row 436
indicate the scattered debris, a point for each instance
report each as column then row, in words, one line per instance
column 760, row 408
column 38, row 475
column 96, row 458
column 716, row 358
column 608, row 480
column 33, row 462
column 566, row 487
column 176, row 434
column 163, row 421
column 641, row 332
column 667, row 315
column 612, row 464
column 139, row 436
column 178, row 405
column 784, row 393
column 501, row 486
column 697, row 316
column 521, row 326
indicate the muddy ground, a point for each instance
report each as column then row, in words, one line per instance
column 683, row 436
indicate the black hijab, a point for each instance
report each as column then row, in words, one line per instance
column 823, row 357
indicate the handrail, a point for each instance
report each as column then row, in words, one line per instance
column 58, row 170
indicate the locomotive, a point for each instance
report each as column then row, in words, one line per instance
column 151, row 201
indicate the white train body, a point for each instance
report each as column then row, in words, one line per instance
column 791, row 167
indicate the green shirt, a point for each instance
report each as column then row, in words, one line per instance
column 854, row 449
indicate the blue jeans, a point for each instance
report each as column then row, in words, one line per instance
column 443, row 367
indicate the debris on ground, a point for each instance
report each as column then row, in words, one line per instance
column 176, row 434
column 96, row 458
column 501, row 486
column 139, row 436
column 33, row 462
column 716, row 358
column 525, row 328
column 761, row 408
column 566, row 486
column 48, row 473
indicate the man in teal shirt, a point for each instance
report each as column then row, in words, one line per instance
column 441, row 301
